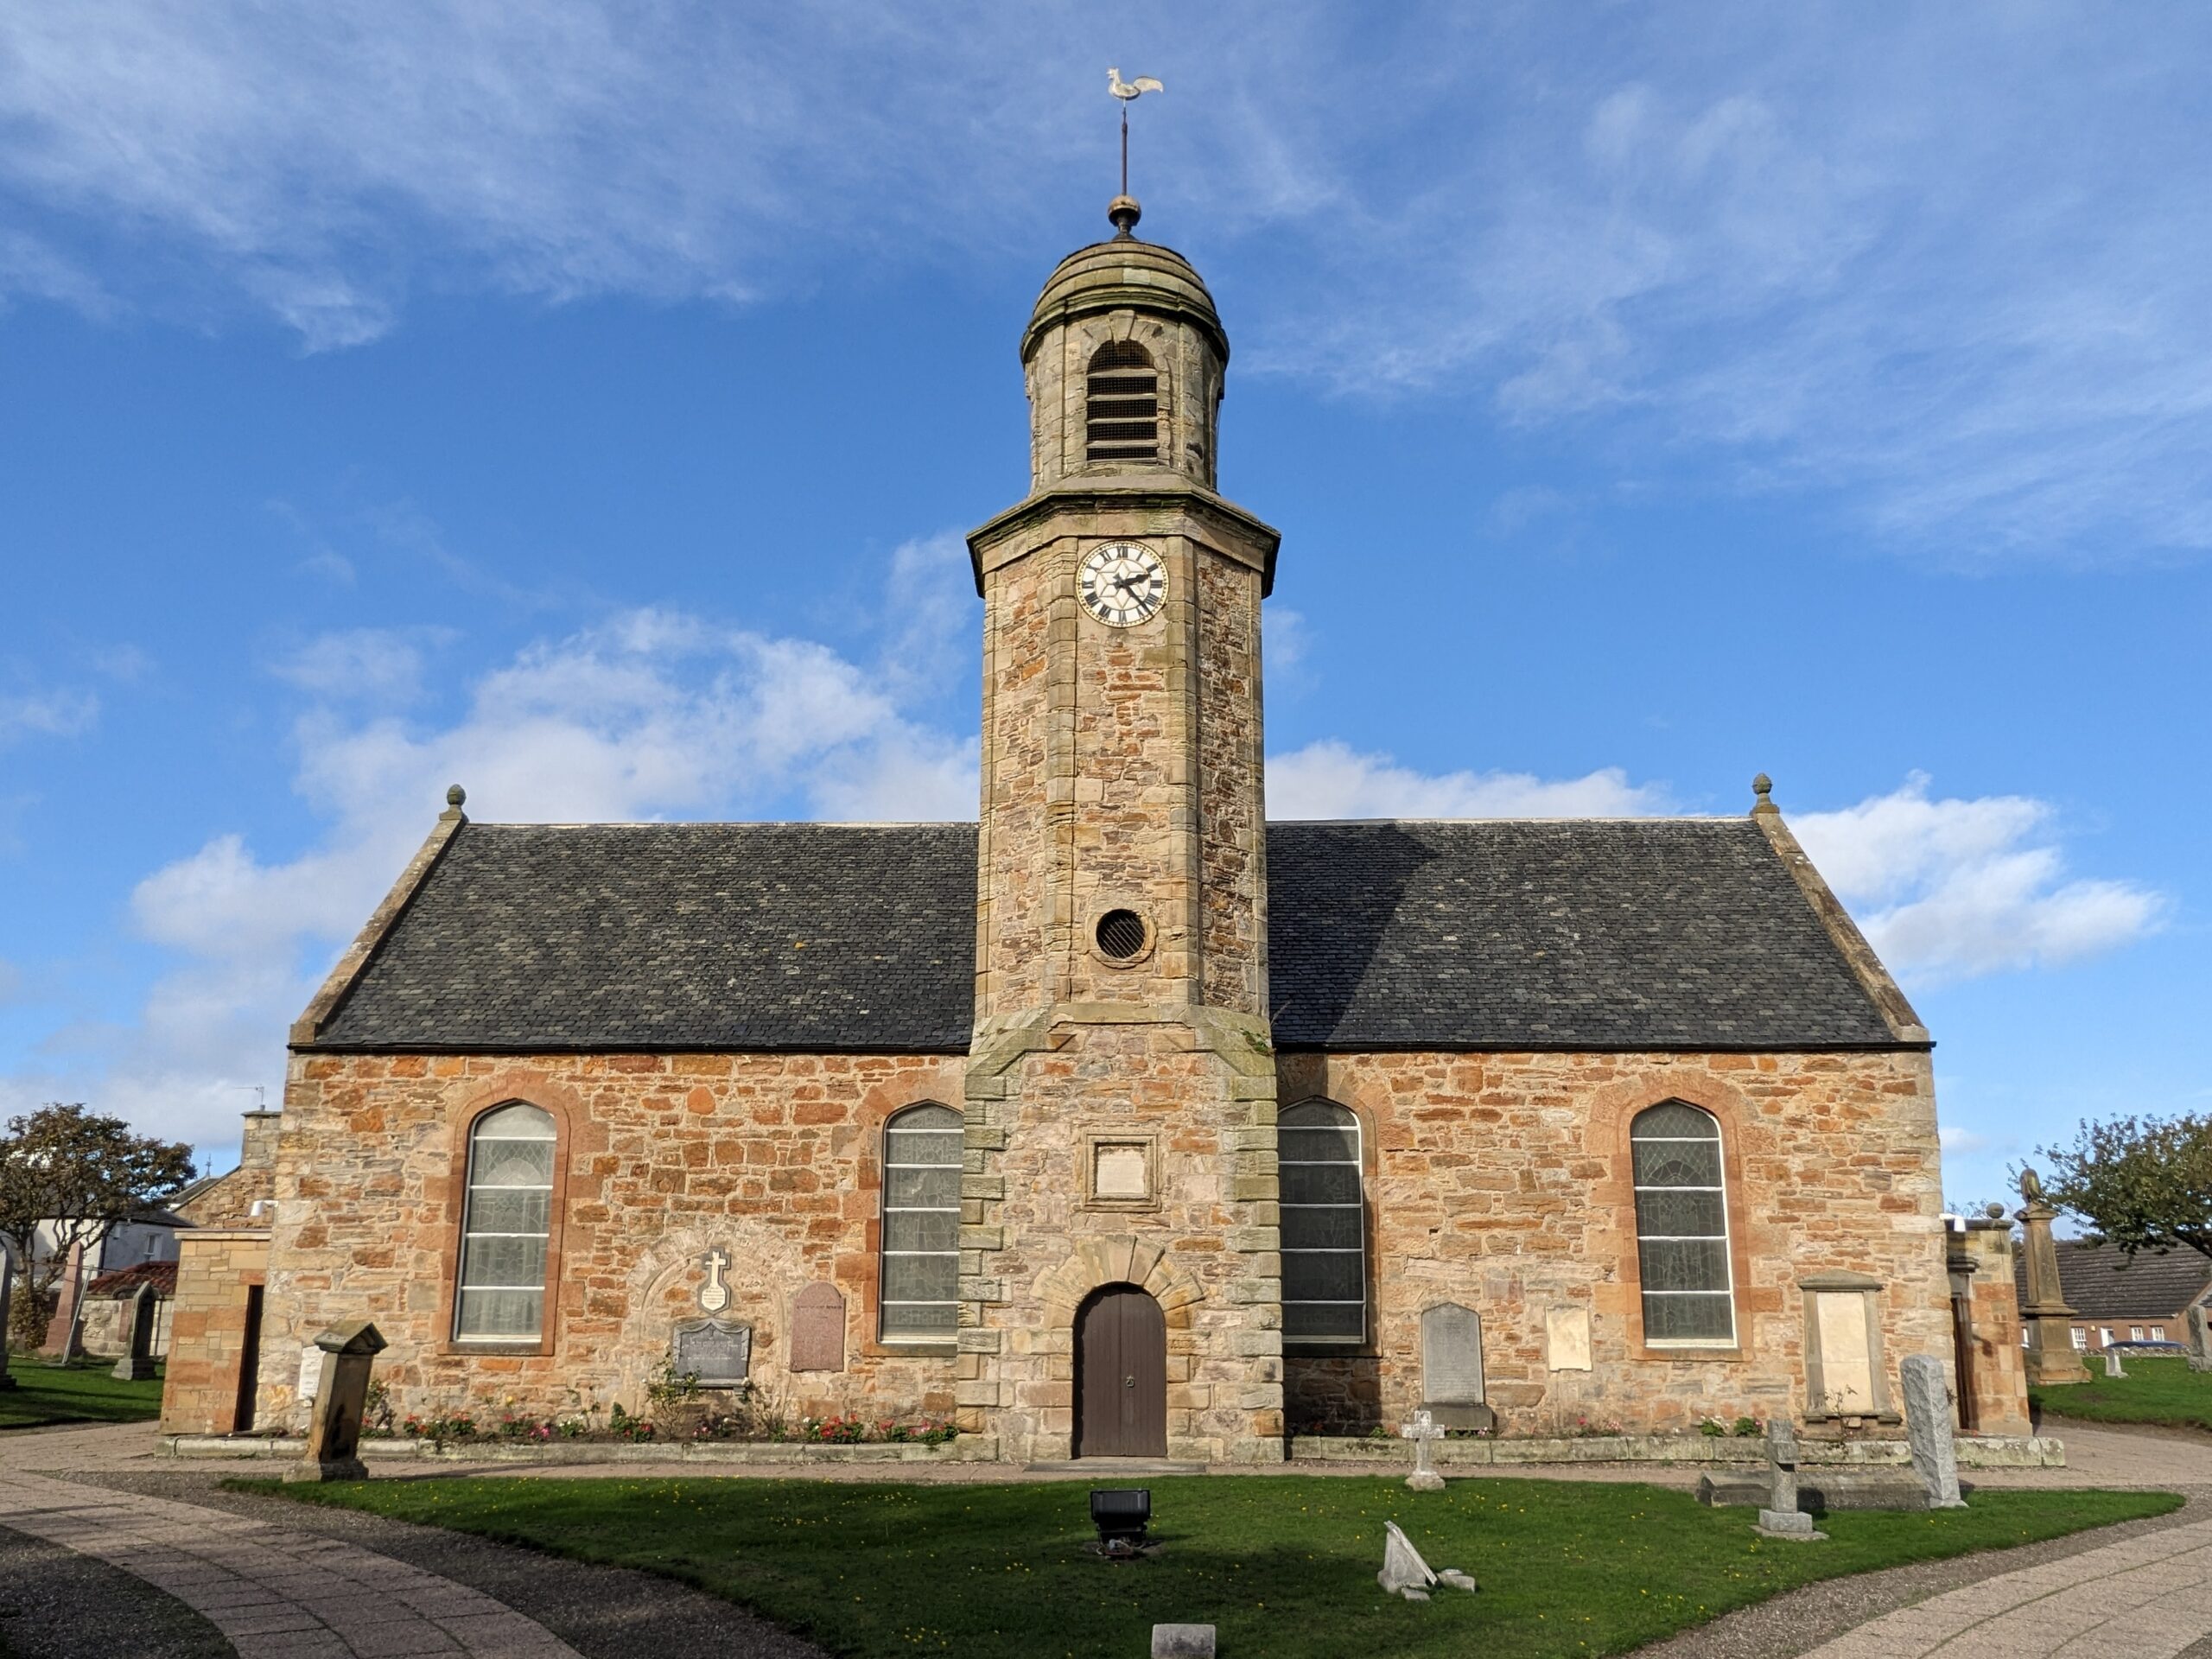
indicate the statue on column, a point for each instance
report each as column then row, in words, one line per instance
column 2052, row 1358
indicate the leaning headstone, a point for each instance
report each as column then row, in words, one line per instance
column 138, row 1362
column 1452, row 1367
column 1182, row 1642
column 1423, row 1432
column 1404, row 1572
column 2113, row 1367
column 333, row 1450
column 1928, row 1429
column 1781, row 1518
column 2200, row 1337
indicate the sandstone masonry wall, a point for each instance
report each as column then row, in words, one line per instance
column 207, row 1327
column 776, row 1159
column 1503, row 1182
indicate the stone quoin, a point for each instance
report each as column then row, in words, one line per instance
column 1121, row 1121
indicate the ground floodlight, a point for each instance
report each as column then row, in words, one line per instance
column 1121, row 1515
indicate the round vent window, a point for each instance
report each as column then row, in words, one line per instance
column 1121, row 934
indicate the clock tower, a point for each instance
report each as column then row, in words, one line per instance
column 1121, row 1283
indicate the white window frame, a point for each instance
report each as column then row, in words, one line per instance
column 2081, row 1338
column 885, row 1253
column 1719, row 1143
column 462, row 1285
column 1359, row 1203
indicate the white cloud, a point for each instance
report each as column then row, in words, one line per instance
column 1960, row 1141
column 48, row 714
column 1329, row 779
column 361, row 664
column 646, row 713
column 1954, row 889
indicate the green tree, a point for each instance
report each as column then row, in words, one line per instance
column 2143, row 1183
column 80, row 1174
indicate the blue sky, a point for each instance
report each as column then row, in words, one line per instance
column 585, row 403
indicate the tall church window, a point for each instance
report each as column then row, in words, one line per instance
column 1681, row 1227
column 1324, row 1224
column 921, row 1224
column 506, row 1220
column 1121, row 404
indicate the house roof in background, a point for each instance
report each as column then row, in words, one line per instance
column 1678, row 933
column 2100, row 1282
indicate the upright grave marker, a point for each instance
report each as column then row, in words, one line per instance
column 138, row 1362
column 1781, row 1518
column 1928, row 1429
column 333, row 1450
column 1452, row 1367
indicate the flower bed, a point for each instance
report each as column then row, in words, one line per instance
column 1974, row 1450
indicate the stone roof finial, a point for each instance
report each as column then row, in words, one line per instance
column 1763, row 788
column 1123, row 213
column 456, row 798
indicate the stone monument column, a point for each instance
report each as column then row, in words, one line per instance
column 2051, row 1358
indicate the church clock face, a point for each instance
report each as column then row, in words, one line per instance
column 1124, row 583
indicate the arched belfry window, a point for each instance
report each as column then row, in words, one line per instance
column 506, row 1217
column 1324, row 1224
column 920, row 1282
column 1681, row 1227
column 1121, row 404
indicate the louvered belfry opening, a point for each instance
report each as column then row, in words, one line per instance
column 1121, row 410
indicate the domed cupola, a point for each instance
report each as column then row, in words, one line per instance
column 1124, row 356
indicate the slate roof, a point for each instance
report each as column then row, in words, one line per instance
column 1591, row 934
column 2098, row 1282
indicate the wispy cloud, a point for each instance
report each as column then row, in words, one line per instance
column 46, row 714
column 1954, row 889
column 1329, row 779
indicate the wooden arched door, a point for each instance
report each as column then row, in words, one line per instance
column 1120, row 1375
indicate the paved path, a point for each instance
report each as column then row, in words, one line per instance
column 2149, row 1597
column 274, row 1592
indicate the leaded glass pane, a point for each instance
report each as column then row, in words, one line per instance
column 1332, row 1228
column 922, row 1322
column 509, row 1210
column 921, row 1230
column 1322, row 1276
column 1324, row 1321
column 1319, row 1183
column 1685, row 1263
column 924, row 1148
column 507, row 1315
column 929, row 1189
column 1320, row 1146
column 1674, row 1120
column 1677, row 1163
column 1680, row 1214
column 921, row 1278
column 512, row 1263
column 1687, row 1319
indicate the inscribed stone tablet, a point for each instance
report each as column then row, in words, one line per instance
column 718, row 1351
column 818, row 1329
column 1119, row 1172
column 1566, row 1336
column 1450, row 1356
column 310, row 1370
column 1846, row 1382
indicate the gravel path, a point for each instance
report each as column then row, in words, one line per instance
column 55, row 1604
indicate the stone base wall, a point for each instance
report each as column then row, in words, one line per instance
column 208, row 1316
column 1503, row 1182
column 774, row 1160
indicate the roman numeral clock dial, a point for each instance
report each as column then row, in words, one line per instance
column 1124, row 583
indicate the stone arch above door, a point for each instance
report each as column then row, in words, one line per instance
column 1118, row 1259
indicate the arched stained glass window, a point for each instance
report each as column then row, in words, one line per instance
column 920, row 1283
column 505, row 1219
column 1681, row 1227
column 1121, row 404
column 1324, row 1224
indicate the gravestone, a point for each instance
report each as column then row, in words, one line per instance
column 1422, row 1432
column 1182, row 1642
column 138, row 1322
column 1781, row 1518
column 310, row 1380
column 1452, row 1367
column 2051, row 1358
column 1928, row 1429
column 2113, row 1367
column 818, row 1329
column 2200, row 1336
column 1404, row 1572
column 334, row 1449
column 719, row 1352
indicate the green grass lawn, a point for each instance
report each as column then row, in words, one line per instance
column 80, row 1393
column 1284, row 1565
column 2153, row 1391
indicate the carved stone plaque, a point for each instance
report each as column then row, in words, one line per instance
column 1452, row 1367
column 719, row 1351
column 818, row 1329
column 1566, row 1339
column 1120, row 1172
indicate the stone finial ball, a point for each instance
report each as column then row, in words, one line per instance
column 1122, row 213
column 457, row 795
column 1762, row 785
column 1993, row 1209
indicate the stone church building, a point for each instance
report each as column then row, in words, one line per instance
column 1122, row 1120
